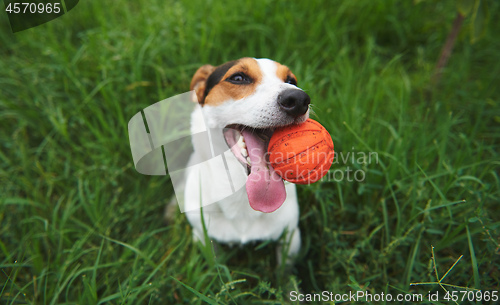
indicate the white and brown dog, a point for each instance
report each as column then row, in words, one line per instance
column 246, row 100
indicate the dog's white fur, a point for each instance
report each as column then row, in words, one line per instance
column 232, row 220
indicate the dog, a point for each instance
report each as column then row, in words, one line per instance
column 244, row 101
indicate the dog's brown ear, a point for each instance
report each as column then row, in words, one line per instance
column 199, row 82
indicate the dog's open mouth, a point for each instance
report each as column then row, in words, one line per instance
column 265, row 188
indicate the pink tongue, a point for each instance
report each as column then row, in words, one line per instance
column 265, row 188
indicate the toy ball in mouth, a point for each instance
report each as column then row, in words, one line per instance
column 301, row 153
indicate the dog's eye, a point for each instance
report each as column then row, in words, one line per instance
column 291, row 80
column 239, row 79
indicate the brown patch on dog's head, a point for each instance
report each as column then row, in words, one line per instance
column 198, row 83
column 286, row 75
column 233, row 80
column 239, row 80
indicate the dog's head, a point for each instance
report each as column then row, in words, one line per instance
column 258, row 93
column 249, row 98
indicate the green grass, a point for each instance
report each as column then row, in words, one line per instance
column 80, row 226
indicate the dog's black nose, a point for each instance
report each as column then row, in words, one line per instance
column 294, row 102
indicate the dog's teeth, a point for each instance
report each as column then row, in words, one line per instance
column 244, row 152
column 248, row 160
column 241, row 142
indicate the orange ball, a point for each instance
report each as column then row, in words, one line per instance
column 302, row 153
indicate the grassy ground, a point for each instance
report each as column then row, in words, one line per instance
column 80, row 226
